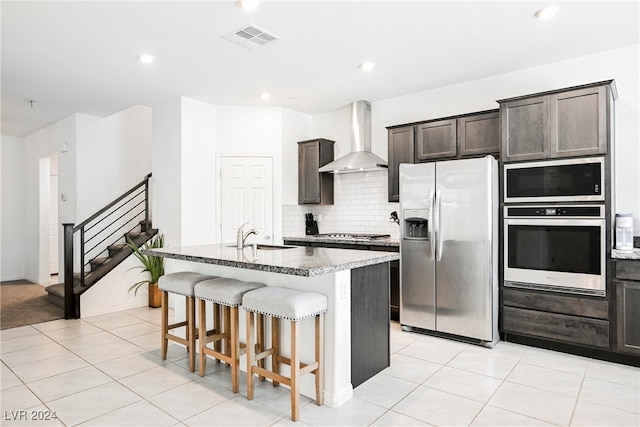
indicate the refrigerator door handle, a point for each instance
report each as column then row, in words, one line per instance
column 431, row 228
column 438, row 233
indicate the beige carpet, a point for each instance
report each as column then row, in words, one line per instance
column 24, row 303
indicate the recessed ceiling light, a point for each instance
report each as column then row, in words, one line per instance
column 265, row 95
column 249, row 4
column 546, row 13
column 367, row 66
column 145, row 58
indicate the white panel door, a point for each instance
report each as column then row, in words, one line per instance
column 246, row 185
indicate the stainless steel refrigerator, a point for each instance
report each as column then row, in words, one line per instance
column 449, row 248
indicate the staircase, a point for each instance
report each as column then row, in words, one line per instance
column 102, row 265
column 97, row 245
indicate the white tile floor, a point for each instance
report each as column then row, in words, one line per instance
column 106, row 371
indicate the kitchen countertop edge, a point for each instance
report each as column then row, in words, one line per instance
column 386, row 241
column 329, row 267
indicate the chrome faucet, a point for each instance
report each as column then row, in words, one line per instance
column 242, row 236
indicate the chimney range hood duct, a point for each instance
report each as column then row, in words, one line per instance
column 360, row 158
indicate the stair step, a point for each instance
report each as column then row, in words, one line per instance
column 100, row 266
column 98, row 261
column 113, row 249
column 55, row 294
column 134, row 234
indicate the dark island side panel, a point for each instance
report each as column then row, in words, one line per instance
column 369, row 322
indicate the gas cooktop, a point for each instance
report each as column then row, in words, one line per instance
column 352, row 236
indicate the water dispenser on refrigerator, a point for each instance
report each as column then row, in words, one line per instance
column 416, row 224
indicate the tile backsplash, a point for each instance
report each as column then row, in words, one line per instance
column 360, row 206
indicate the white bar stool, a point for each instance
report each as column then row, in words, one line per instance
column 282, row 303
column 181, row 283
column 228, row 293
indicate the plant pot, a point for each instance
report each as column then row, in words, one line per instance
column 155, row 296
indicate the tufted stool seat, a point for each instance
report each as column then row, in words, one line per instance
column 227, row 293
column 180, row 283
column 294, row 306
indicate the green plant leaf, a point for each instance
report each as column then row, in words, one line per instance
column 153, row 265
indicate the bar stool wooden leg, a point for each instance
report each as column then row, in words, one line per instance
column 318, row 370
column 165, row 324
column 295, row 372
column 226, row 328
column 250, row 352
column 202, row 333
column 260, row 347
column 191, row 335
column 275, row 345
column 235, row 357
column 217, row 346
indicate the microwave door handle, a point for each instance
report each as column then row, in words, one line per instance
column 431, row 228
column 438, row 224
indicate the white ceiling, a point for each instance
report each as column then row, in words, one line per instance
column 81, row 56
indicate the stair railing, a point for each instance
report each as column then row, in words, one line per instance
column 92, row 237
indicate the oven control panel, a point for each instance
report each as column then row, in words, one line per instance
column 555, row 211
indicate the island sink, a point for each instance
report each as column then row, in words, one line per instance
column 261, row 246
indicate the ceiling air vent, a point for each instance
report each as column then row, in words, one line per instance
column 250, row 36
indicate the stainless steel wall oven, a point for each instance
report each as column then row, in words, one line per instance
column 555, row 225
column 555, row 248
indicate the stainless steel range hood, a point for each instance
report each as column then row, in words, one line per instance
column 360, row 159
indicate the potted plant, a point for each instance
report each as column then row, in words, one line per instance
column 154, row 265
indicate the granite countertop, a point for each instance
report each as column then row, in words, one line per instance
column 385, row 241
column 295, row 260
column 635, row 254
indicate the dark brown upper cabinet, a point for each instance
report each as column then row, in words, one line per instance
column 436, row 140
column 479, row 134
column 469, row 135
column 564, row 123
column 401, row 150
column 315, row 187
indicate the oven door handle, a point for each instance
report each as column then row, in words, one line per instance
column 438, row 227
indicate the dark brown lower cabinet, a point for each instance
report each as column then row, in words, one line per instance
column 559, row 327
column 563, row 318
column 627, row 293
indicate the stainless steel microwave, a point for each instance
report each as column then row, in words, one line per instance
column 568, row 180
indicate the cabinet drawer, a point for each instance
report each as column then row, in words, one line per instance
column 559, row 327
column 628, row 270
column 561, row 304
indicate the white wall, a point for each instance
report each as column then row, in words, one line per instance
column 38, row 146
column 112, row 293
column 296, row 127
column 113, row 155
column 12, row 223
column 166, row 167
column 198, row 179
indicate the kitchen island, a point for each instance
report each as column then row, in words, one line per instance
column 337, row 273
